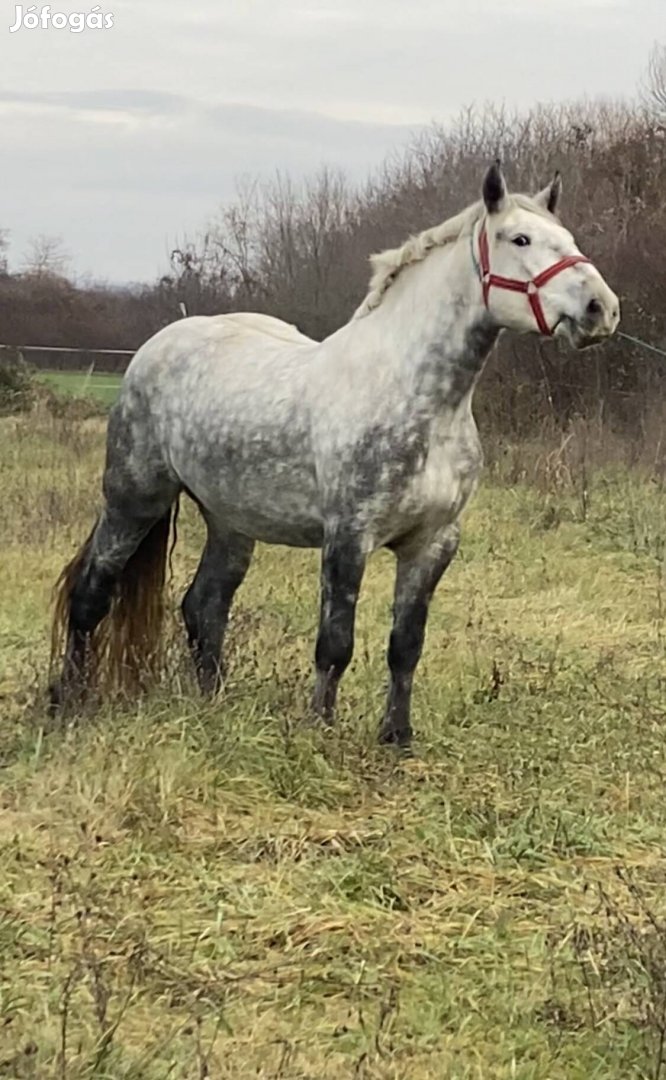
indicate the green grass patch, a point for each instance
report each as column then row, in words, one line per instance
column 97, row 384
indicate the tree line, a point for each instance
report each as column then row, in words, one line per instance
column 299, row 250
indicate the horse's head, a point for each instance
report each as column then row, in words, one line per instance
column 533, row 276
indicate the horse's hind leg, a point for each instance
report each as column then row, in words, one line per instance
column 418, row 574
column 123, row 558
column 207, row 603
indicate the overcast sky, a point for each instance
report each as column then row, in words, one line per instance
column 123, row 140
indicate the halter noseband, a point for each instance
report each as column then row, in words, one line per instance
column 531, row 288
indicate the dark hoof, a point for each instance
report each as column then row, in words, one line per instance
column 321, row 711
column 54, row 697
column 320, row 719
column 64, row 698
column 398, row 737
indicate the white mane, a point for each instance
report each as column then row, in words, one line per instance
column 387, row 264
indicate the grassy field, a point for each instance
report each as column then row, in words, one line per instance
column 99, row 385
column 219, row 890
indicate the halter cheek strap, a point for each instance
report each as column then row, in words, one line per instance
column 531, row 288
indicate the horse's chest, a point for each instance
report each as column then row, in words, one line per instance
column 443, row 479
column 446, row 479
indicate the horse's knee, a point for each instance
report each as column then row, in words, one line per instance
column 335, row 646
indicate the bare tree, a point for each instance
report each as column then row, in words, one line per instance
column 299, row 249
column 234, row 237
column 198, row 279
column 46, row 257
column 4, row 245
column 654, row 90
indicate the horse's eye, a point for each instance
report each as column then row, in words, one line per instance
column 521, row 240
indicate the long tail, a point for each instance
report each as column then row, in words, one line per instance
column 124, row 653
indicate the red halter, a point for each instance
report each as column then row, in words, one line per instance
column 531, row 288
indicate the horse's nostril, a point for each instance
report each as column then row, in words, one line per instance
column 594, row 307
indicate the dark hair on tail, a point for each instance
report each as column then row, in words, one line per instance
column 125, row 651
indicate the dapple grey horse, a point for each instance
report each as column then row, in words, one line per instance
column 362, row 441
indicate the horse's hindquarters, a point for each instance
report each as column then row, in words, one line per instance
column 232, row 420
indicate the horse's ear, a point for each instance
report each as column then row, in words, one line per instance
column 550, row 196
column 494, row 189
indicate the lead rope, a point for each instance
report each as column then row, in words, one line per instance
column 643, row 344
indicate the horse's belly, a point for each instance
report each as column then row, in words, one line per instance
column 295, row 529
column 273, row 513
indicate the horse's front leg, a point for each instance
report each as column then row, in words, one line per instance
column 342, row 566
column 417, row 575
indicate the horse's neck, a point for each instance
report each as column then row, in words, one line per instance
column 435, row 327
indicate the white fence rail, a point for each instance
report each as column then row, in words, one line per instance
column 65, row 349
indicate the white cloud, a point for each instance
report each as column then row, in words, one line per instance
column 119, row 139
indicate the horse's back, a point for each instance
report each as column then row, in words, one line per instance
column 220, row 338
column 253, row 322
column 242, row 366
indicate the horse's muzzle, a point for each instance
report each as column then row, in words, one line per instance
column 599, row 321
